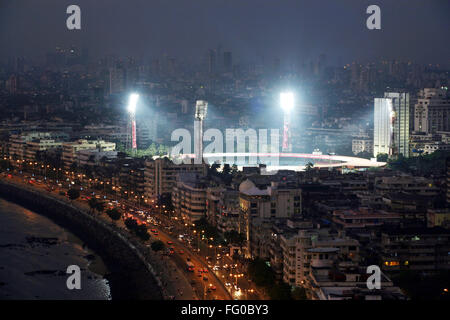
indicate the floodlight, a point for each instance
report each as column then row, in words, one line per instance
column 132, row 103
column 287, row 101
column 201, row 108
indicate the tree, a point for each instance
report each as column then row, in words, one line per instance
column 157, row 245
column 142, row 232
column 73, row 194
column 213, row 171
column 100, row 206
column 260, row 273
column 382, row 157
column 309, row 166
column 131, row 224
column 280, row 291
column 234, row 237
column 226, row 169
column 114, row 214
column 93, row 204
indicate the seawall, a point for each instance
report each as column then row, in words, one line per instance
column 131, row 275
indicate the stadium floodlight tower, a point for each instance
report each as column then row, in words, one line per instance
column 132, row 102
column 201, row 108
column 287, row 104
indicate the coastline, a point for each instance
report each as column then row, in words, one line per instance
column 34, row 256
column 129, row 277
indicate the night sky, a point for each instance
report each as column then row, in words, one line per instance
column 252, row 29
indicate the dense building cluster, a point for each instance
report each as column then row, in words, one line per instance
column 318, row 229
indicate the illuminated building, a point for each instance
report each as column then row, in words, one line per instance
column 391, row 124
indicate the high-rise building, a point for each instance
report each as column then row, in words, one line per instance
column 117, row 78
column 391, row 124
column 211, row 61
column 12, row 84
column 432, row 111
column 227, row 61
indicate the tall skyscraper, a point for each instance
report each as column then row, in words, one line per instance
column 227, row 61
column 212, row 61
column 391, row 124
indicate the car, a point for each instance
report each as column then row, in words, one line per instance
column 205, row 278
column 181, row 252
column 169, row 242
column 213, row 287
column 227, row 284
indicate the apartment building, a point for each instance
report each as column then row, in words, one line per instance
column 432, row 111
column 420, row 249
column 223, row 209
column 161, row 175
column 329, row 280
column 260, row 208
column 35, row 146
column 71, row 149
column 364, row 218
column 132, row 181
column 24, row 146
column 189, row 196
column 362, row 145
column 409, row 184
column 91, row 157
column 317, row 248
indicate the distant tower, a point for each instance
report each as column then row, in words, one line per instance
column 200, row 114
column 227, row 61
column 212, row 61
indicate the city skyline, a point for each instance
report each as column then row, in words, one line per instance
column 249, row 151
column 290, row 31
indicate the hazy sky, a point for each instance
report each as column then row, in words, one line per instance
column 411, row 29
